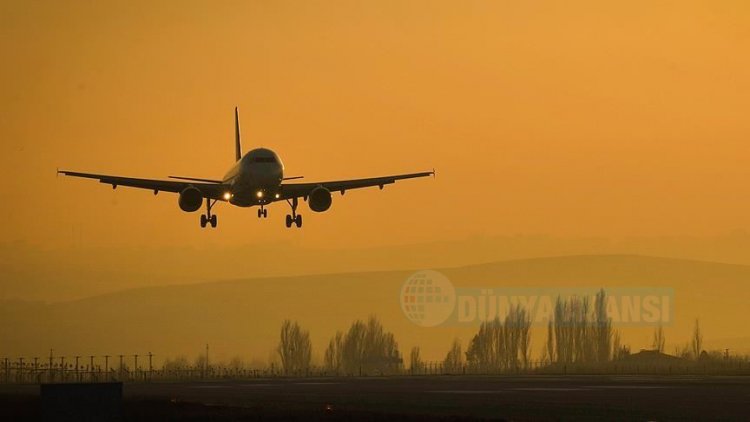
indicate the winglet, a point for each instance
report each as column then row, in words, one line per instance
column 237, row 141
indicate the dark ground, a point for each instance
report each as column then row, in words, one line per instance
column 645, row 398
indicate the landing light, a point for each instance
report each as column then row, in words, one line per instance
column 227, row 196
column 277, row 196
column 259, row 194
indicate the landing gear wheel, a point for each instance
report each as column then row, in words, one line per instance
column 294, row 218
column 265, row 213
column 208, row 217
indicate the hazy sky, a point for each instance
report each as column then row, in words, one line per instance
column 571, row 118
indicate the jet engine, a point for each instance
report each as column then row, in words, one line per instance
column 320, row 199
column 190, row 199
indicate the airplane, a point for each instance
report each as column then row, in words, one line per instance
column 255, row 179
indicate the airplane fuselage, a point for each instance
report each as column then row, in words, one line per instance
column 256, row 178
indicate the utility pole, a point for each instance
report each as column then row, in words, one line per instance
column 121, row 368
column 78, row 375
column 50, row 365
column 135, row 370
column 62, row 367
column 20, row 369
column 150, row 367
column 106, row 363
column 91, row 368
column 205, row 364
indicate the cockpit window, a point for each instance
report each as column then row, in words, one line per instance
column 264, row 159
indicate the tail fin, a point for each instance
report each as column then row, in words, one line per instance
column 237, row 141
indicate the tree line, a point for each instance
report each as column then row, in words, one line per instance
column 578, row 332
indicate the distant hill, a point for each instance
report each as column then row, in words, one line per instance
column 242, row 317
column 53, row 274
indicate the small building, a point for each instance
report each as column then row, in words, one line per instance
column 647, row 356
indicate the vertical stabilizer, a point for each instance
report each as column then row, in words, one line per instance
column 237, row 141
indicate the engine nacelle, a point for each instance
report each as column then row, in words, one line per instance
column 190, row 199
column 320, row 199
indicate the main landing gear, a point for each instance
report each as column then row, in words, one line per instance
column 262, row 212
column 294, row 218
column 208, row 217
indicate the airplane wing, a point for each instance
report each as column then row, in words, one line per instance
column 296, row 190
column 209, row 190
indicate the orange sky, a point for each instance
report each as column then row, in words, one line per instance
column 566, row 118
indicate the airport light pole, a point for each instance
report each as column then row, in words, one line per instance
column 50, row 365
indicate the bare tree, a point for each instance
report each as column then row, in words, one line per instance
column 486, row 349
column 236, row 364
column 683, row 351
column 563, row 331
column 502, row 345
column 518, row 341
column 524, row 329
column 180, row 363
column 602, row 328
column 579, row 332
column 550, row 346
column 368, row 347
column 415, row 361
column 659, row 339
column 454, row 362
column 295, row 348
column 616, row 351
column 333, row 352
column 697, row 342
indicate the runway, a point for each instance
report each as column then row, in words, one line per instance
column 450, row 397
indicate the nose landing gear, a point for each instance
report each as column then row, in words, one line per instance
column 262, row 212
column 294, row 218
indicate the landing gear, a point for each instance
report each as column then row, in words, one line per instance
column 209, row 218
column 294, row 217
column 262, row 212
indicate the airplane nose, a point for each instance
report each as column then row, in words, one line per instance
column 266, row 177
